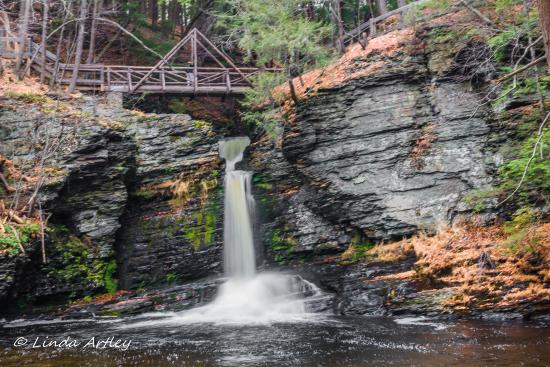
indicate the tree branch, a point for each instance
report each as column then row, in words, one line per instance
column 523, row 68
column 539, row 139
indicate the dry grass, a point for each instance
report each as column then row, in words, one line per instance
column 422, row 146
column 480, row 262
column 393, row 252
column 350, row 65
column 10, row 84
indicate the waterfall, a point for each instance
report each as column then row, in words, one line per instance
column 246, row 297
column 239, row 258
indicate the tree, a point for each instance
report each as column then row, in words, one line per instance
column 154, row 13
column 79, row 43
column 544, row 14
column 93, row 30
column 23, row 31
column 45, row 19
column 278, row 32
column 382, row 7
column 338, row 21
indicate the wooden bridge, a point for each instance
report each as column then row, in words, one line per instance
column 370, row 27
column 167, row 76
column 170, row 74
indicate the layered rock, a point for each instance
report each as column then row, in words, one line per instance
column 379, row 156
column 119, row 185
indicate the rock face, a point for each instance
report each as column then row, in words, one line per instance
column 377, row 158
column 139, row 198
column 132, row 197
column 391, row 159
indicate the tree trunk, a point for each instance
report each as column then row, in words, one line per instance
column 154, row 13
column 357, row 13
column 172, row 15
column 93, row 30
column 309, row 10
column 401, row 3
column 382, row 7
column 185, row 15
column 79, row 43
column 59, row 46
column 45, row 10
column 163, row 16
column 292, row 90
column 23, row 30
column 544, row 14
column 534, row 58
column 339, row 25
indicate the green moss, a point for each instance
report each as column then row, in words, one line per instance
column 108, row 280
column 76, row 262
column 360, row 246
column 477, row 200
column 177, row 106
column 261, row 182
column 171, row 277
column 28, row 97
column 120, row 168
column 15, row 237
column 144, row 193
column 518, row 229
column 282, row 244
column 535, row 188
column 201, row 227
column 199, row 124
column 444, row 35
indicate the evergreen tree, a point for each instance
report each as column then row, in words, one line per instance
column 279, row 33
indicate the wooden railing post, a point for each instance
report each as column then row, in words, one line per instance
column 163, row 79
column 228, row 82
column 129, row 76
column 195, row 61
column 102, row 78
column 372, row 26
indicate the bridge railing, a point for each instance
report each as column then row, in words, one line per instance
column 371, row 26
column 122, row 78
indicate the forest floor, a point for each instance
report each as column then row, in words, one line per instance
column 494, row 267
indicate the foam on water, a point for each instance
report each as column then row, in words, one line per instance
column 246, row 297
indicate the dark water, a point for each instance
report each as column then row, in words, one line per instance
column 358, row 341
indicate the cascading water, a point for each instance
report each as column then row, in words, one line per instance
column 246, row 297
column 239, row 258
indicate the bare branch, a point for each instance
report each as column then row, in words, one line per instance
column 539, row 139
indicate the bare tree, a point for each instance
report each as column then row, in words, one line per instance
column 382, row 6
column 336, row 12
column 45, row 19
column 544, row 14
column 79, row 43
column 154, row 13
column 93, row 30
column 23, row 30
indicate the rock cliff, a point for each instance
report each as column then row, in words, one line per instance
column 380, row 156
column 131, row 196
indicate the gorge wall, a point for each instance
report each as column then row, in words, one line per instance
column 136, row 199
column 380, row 157
column 131, row 198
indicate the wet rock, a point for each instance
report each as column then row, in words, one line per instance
column 112, row 197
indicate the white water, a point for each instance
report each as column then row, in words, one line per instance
column 245, row 297
column 238, row 250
